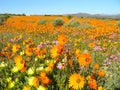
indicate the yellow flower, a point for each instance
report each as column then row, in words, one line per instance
column 30, row 71
column 76, row 81
column 100, row 88
column 20, row 63
column 41, row 88
column 54, row 52
column 91, row 45
column 33, row 81
column 15, row 48
column 77, row 53
column 14, row 69
column 11, row 84
column 9, row 79
column 26, row 88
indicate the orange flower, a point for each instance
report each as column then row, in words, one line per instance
column 70, row 63
column 44, row 79
column 56, row 51
column 29, row 51
column 1, row 55
column 96, row 66
column 35, row 82
column 51, row 64
column 92, row 83
column 62, row 39
column 42, row 74
column 40, row 52
column 50, row 67
column 84, row 60
column 101, row 73
column 8, row 54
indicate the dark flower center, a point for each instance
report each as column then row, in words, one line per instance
column 87, row 59
column 78, row 80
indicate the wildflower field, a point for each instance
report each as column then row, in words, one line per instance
column 59, row 53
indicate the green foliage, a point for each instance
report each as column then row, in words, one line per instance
column 1, row 20
column 58, row 22
column 42, row 22
column 69, row 17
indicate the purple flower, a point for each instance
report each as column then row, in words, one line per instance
column 97, row 48
column 59, row 66
column 115, row 59
column 67, row 45
column 55, row 42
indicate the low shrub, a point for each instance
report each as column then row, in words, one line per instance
column 58, row 22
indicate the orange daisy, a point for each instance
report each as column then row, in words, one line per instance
column 101, row 73
column 84, row 60
column 62, row 39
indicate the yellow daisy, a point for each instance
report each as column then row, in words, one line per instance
column 76, row 81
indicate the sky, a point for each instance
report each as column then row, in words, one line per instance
column 42, row 7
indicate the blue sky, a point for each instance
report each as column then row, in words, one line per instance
column 60, row 6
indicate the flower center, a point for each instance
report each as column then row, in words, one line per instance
column 78, row 80
column 87, row 59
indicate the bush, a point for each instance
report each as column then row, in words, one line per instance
column 69, row 17
column 73, row 23
column 42, row 22
column 58, row 22
column 1, row 20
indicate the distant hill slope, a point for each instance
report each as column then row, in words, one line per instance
column 95, row 15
